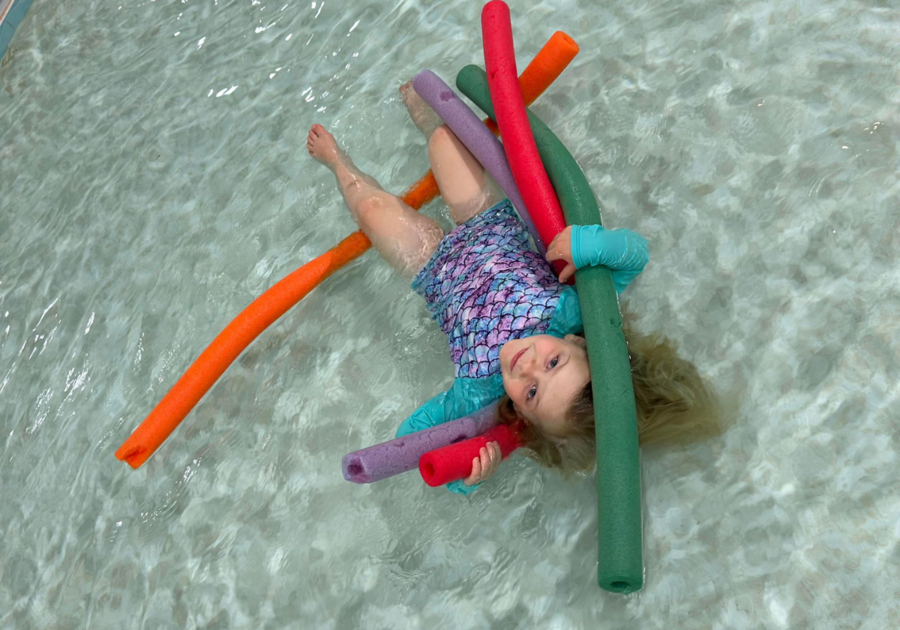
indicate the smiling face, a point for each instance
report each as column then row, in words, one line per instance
column 542, row 375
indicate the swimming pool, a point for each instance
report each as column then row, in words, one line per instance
column 154, row 182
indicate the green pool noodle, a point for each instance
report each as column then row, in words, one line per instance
column 619, row 527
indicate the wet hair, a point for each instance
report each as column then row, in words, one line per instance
column 673, row 406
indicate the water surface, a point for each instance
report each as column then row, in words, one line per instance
column 154, row 182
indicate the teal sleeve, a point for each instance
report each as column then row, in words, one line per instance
column 566, row 319
column 460, row 488
column 428, row 415
column 465, row 397
column 622, row 251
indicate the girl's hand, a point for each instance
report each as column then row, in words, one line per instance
column 485, row 465
column 561, row 249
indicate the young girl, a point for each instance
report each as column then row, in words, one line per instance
column 511, row 325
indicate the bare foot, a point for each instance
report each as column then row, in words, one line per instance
column 422, row 115
column 323, row 147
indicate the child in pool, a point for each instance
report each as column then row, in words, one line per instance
column 511, row 325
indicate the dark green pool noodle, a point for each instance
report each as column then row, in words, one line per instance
column 619, row 553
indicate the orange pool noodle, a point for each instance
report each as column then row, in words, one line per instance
column 549, row 63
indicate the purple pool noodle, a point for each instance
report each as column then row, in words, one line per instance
column 477, row 137
column 399, row 455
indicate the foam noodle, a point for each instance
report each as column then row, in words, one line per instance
column 477, row 138
column 401, row 454
column 620, row 566
column 500, row 61
column 546, row 66
column 454, row 462
column 264, row 310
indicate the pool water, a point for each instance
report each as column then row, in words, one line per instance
column 154, row 181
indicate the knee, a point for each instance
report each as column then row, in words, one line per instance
column 441, row 137
column 368, row 206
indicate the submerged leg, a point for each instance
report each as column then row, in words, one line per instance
column 460, row 177
column 425, row 118
column 403, row 237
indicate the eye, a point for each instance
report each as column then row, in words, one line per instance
column 554, row 362
column 532, row 392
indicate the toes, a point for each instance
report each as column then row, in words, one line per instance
column 321, row 145
column 316, row 133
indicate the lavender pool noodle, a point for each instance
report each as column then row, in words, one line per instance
column 478, row 140
column 399, row 455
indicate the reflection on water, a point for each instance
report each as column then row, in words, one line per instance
column 154, row 182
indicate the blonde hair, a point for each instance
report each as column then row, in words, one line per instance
column 673, row 405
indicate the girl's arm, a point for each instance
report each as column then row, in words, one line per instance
column 624, row 252
column 464, row 398
column 428, row 415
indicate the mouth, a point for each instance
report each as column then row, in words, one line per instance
column 515, row 359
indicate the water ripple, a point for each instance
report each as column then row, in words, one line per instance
column 153, row 184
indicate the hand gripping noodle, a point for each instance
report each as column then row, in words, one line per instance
column 454, row 462
column 619, row 551
column 401, row 454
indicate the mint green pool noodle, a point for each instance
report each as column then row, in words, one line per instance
column 619, row 553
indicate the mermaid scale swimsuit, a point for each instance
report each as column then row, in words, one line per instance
column 485, row 285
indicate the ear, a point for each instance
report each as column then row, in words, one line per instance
column 576, row 340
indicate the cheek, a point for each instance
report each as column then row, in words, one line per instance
column 547, row 346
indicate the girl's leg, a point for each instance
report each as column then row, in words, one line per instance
column 460, row 177
column 403, row 237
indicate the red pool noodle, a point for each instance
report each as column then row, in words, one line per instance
column 203, row 373
column 509, row 107
column 556, row 54
column 454, row 462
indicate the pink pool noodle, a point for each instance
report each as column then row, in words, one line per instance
column 454, row 462
column 509, row 107
column 478, row 139
column 401, row 454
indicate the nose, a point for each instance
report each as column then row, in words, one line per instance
column 529, row 365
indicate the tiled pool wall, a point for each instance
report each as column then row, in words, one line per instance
column 11, row 14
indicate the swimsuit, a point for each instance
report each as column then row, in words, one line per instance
column 485, row 285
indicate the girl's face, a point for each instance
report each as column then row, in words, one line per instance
column 542, row 375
